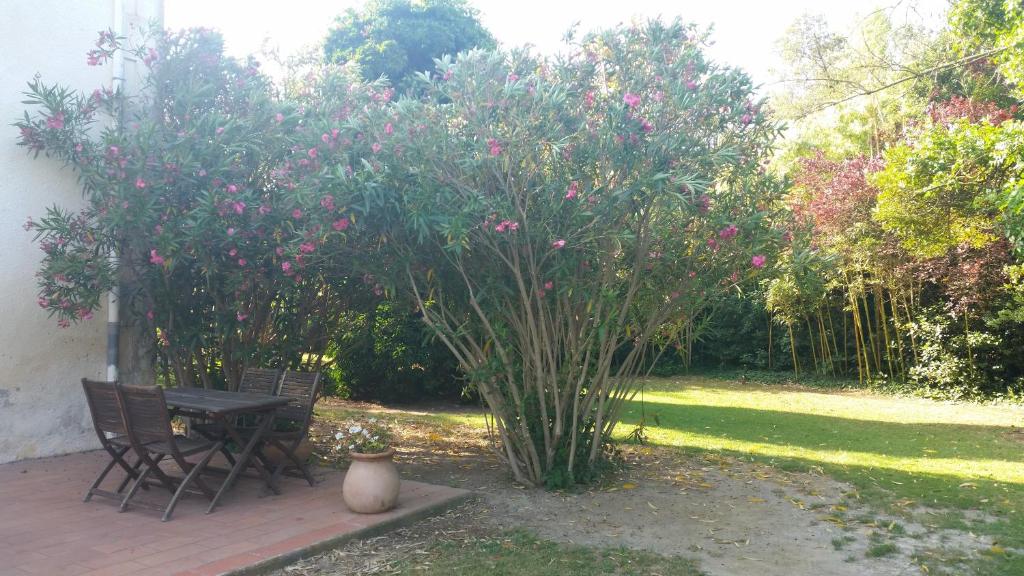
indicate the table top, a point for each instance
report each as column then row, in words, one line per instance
column 221, row 401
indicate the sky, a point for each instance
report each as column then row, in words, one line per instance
column 745, row 31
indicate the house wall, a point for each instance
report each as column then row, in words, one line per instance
column 42, row 409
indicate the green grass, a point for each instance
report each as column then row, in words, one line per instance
column 897, row 452
column 521, row 553
column 882, row 549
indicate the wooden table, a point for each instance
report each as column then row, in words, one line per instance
column 223, row 407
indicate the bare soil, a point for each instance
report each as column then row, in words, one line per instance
column 736, row 518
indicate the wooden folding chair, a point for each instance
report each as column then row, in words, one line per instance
column 149, row 430
column 109, row 425
column 301, row 389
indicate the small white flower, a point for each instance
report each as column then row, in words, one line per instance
column 374, row 438
column 365, row 433
column 352, row 447
column 339, row 435
column 372, row 420
column 355, row 429
column 338, row 447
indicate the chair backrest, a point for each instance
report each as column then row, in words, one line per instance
column 260, row 380
column 104, row 408
column 145, row 414
column 301, row 389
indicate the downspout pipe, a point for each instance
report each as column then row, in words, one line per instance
column 113, row 300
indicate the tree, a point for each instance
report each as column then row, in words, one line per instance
column 549, row 216
column 398, row 38
column 205, row 193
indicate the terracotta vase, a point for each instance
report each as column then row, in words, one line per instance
column 371, row 484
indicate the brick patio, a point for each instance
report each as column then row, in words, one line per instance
column 46, row 529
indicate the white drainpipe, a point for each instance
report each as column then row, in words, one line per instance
column 113, row 302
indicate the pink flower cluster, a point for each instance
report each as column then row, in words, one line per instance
column 631, row 100
column 55, row 122
column 573, row 190
column 758, row 261
column 506, row 226
column 494, row 146
column 729, row 232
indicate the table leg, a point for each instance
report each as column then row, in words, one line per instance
column 244, row 457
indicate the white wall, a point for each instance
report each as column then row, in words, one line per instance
column 42, row 409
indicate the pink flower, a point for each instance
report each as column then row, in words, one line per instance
column 691, row 85
column 241, row 317
column 279, row 251
column 494, row 146
column 311, row 152
column 341, row 224
column 506, row 225
column 155, row 258
column 307, row 247
column 549, row 285
column 140, row 183
column 589, row 98
column 239, row 207
column 375, row 147
column 325, row 138
column 55, row 122
column 758, row 261
column 241, row 261
column 388, row 128
column 219, row 130
column 572, row 191
column 296, row 214
column 746, row 119
column 63, row 323
column 728, row 232
column 85, row 314
column 279, row 117
column 231, row 231
column 286, row 267
column 233, row 252
column 232, row 188
column 149, row 314
column 631, row 100
column 327, row 202
column 264, row 210
column 558, row 244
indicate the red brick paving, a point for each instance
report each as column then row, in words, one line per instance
column 46, row 529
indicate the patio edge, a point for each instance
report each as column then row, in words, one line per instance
column 267, row 564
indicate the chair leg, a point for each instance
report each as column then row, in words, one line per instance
column 128, row 477
column 135, row 487
column 99, row 479
column 193, row 475
column 289, row 452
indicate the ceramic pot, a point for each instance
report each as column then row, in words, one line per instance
column 275, row 456
column 371, row 484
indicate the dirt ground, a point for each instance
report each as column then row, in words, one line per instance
column 736, row 518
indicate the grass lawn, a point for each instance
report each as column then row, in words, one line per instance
column 897, row 452
column 924, row 460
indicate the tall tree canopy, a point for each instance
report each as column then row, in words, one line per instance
column 397, row 38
